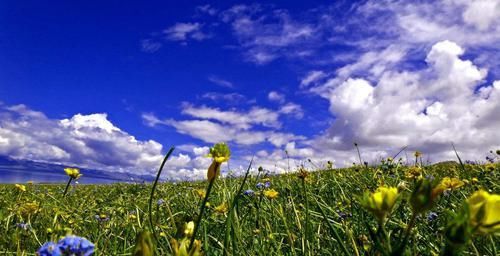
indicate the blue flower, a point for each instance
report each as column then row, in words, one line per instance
column 432, row 216
column 160, row 202
column 49, row 249
column 23, row 225
column 267, row 184
column 260, row 185
column 249, row 192
column 76, row 245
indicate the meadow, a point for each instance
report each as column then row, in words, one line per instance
column 392, row 208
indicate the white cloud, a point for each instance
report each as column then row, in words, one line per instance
column 85, row 140
column 276, row 96
column 255, row 115
column 292, row 109
column 185, row 31
column 265, row 35
column 220, row 82
column 426, row 109
column 481, row 13
column 312, row 77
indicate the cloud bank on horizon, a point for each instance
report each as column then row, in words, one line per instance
column 391, row 74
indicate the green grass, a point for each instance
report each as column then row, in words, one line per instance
column 302, row 220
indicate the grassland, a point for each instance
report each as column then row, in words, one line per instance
column 315, row 213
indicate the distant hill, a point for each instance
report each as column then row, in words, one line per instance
column 21, row 171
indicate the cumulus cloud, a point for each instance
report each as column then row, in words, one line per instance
column 85, row 140
column 92, row 141
column 426, row 109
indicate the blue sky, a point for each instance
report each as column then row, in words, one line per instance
column 114, row 85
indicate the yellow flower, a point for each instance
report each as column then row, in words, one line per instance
column 220, row 153
column 451, row 183
column 73, row 172
column 475, row 180
column 271, row 193
column 21, row 187
column 447, row 184
column 484, row 210
column 381, row 201
column 29, row 208
column 200, row 193
column 221, row 208
column 189, row 229
column 413, row 172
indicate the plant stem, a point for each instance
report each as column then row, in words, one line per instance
column 67, row 186
column 202, row 209
column 306, row 224
column 401, row 247
column 153, row 191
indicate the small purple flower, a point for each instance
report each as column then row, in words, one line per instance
column 260, row 185
column 49, row 249
column 249, row 192
column 432, row 216
column 160, row 202
column 267, row 184
column 23, row 225
column 74, row 245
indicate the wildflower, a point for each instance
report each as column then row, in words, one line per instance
column 484, row 210
column 74, row 173
column 189, row 229
column 160, row 202
column 381, row 202
column 413, row 172
column 260, row 185
column 267, row 184
column 182, row 248
column 49, row 249
column 76, row 245
column 221, row 208
column 447, row 183
column 249, row 192
column 23, row 225
column 220, row 153
column 475, row 180
column 101, row 217
column 29, row 208
column 21, row 187
column 432, row 216
column 271, row 193
column 200, row 193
